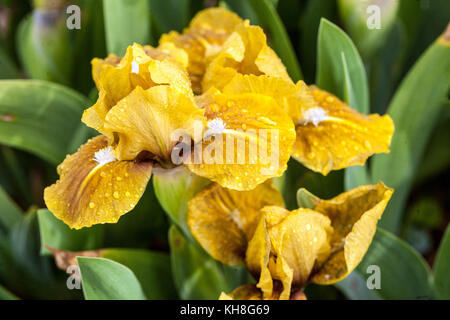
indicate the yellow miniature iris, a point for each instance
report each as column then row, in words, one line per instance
column 285, row 250
column 144, row 98
column 330, row 134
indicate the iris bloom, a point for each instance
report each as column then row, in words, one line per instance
column 329, row 134
column 230, row 55
column 143, row 99
column 284, row 250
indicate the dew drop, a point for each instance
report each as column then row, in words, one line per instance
column 116, row 195
column 91, row 205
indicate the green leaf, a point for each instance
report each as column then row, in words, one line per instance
column 23, row 270
column 56, row 234
column 152, row 269
column 442, row 267
column 277, row 36
column 104, row 279
column 170, row 14
column 340, row 70
column 126, row 21
column 6, row 295
column 8, row 69
column 339, row 67
column 242, row 8
column 306, row 199
column 403, row 272
column 437, row 155
column 315, row 10
column 196, row 274
column 10, row 213
column 174, row 188
column 354, row 287
column 415, row 110
column 44, row 46
column 39, row 117
column 357, row 16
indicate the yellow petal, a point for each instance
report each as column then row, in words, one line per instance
column 354, row 216
column 116, row 80
column 245, row 52
column 217, row 19
column 254, row 145
column 203, row 38
column 292, row 98
column 223, row 220
column 91, row 192
column 257, row 258
column 333, row 136
column 146, row 119
column 248, row 292
column 168, row 51
column 299, row 240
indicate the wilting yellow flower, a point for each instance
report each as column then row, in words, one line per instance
column 284, row 249
column 203, row 38
column 330, row 134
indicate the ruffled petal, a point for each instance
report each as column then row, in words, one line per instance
column 245, row 52
column 203, row 38
column 146, row 119
column 249, row 140
column 257, row 258
column 94, row 187
column 354, row 216
column 292, row 98
column 223, row 220
column 333, row 136
column 299, row 240
column 115, row 80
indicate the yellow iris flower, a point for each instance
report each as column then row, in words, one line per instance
column 284, row 250
column 144, row 98
column 329, row 134
column 219, row 75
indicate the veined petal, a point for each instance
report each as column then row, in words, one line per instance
column 257, row 258
column 223, row 220
column 94, row 187
column 333, row 136
column 292, row 98
column 203, row 38
column 245, row 52
column 146, row 119
column 115, row 80
column 168, row 51
column 300, row 239
column 249, row 140
column 354, row 215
